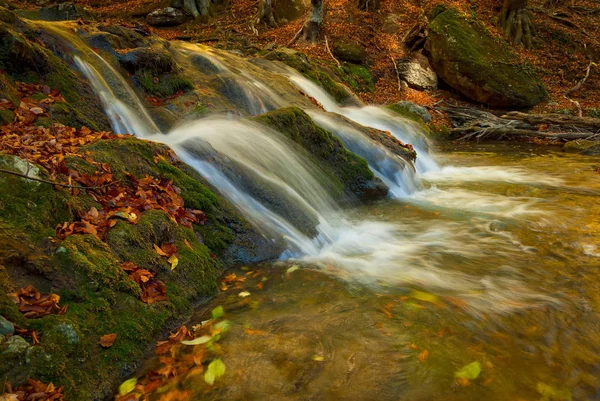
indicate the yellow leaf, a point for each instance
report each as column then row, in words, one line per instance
column 173, row 261
column 127, row 386
column 159, row 251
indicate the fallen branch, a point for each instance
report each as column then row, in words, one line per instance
column 58, row 184
column 330, row 53
column 577, row 87
column 397, row 74
column 296, row 37
column 499, row 133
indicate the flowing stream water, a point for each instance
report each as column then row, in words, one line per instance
column 482, row 253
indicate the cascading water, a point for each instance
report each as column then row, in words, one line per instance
column 240, row 158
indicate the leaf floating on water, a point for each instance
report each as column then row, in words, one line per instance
column 552, row 393
column 469, row 372
column 423, row 356
column 173, row 261
column 218, row 312
column 424, row 296
column 127, row 386
column 197, row 341
column 223, row 326
column 292, row 269
column 215, row 370
column 108, row 340
column 244, row 294
column 318, row 358
column 255, row 332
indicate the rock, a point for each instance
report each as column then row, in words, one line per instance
column 6, row 327
column 129, row 38
column 411, row 110
column 417, row 72
column 168, row 16
column 352, row 52
column 582, row 146
column 59, row 12
column 15, row 346
column 156, row 61
column 483, row 69
column 64, row 333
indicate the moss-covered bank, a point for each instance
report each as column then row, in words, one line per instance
column 85, row 271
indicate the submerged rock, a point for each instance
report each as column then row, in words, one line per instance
column 583, row 147
column 480, row 67
column 168, row 16
column 417, row 72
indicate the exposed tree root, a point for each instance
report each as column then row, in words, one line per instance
column 517, row 26
column 265, row 13
column 199, row 9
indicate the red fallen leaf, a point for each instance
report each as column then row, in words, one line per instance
column 34, row 390
column 35, row 305
column 169, row 248
column 108, row 340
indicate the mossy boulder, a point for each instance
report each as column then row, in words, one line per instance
column 155, row 71
column 583, row 147
column 477, row 65
column 351, row 51
column 29, row 60
column 351, row 170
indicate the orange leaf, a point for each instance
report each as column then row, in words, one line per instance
column 423, row 356
column 159, row 251
column 108, row 340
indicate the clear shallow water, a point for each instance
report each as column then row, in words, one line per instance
column 488, row 267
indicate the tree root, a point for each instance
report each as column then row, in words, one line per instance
column 199, row 9
column 517, row 25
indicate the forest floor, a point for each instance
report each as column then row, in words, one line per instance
column 568, row 40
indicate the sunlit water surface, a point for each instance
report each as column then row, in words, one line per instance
column 497, row 265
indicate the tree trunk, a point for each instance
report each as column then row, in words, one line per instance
column 265, row 12
column 199, row 9
column 516, row 23
column 312, row 27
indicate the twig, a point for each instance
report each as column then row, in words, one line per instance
column 577, row 87
column 330, row 53
column 70, row 186
column 296, row 37
column 397, row 73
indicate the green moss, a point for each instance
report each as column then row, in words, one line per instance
column 28, row 61
column 6, row 116
column 300, row 62
column 583, row 147
column 164, row 85
column 481, row 67
column 358, row 77
column 137, row 157
column 351, row 170
column 34, row 207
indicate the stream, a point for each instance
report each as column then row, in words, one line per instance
column 495, row 265
column 475, row 279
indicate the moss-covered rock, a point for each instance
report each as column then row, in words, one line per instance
column 27, row 60
column 479, row 66
column 583, row 147
column 155, row 70
column 352, row 171
column 358, row 77
column 351, row 51
column 302, row 64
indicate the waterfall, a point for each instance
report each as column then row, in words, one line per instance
column 374, row 117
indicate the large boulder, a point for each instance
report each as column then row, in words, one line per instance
column 168, row 16
column 479, row 66
column 350, row 51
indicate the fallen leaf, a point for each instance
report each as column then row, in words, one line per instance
column 424, row 296
column 108, row 340
column 197, row 341
column 292, row 269
column 423, row 356
column 173, row 261
column 215, row 370
column 244, row 294
column 127, row 386
column 159, row 251
column 469, row 372
column 187, row 243
column 217, row 312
